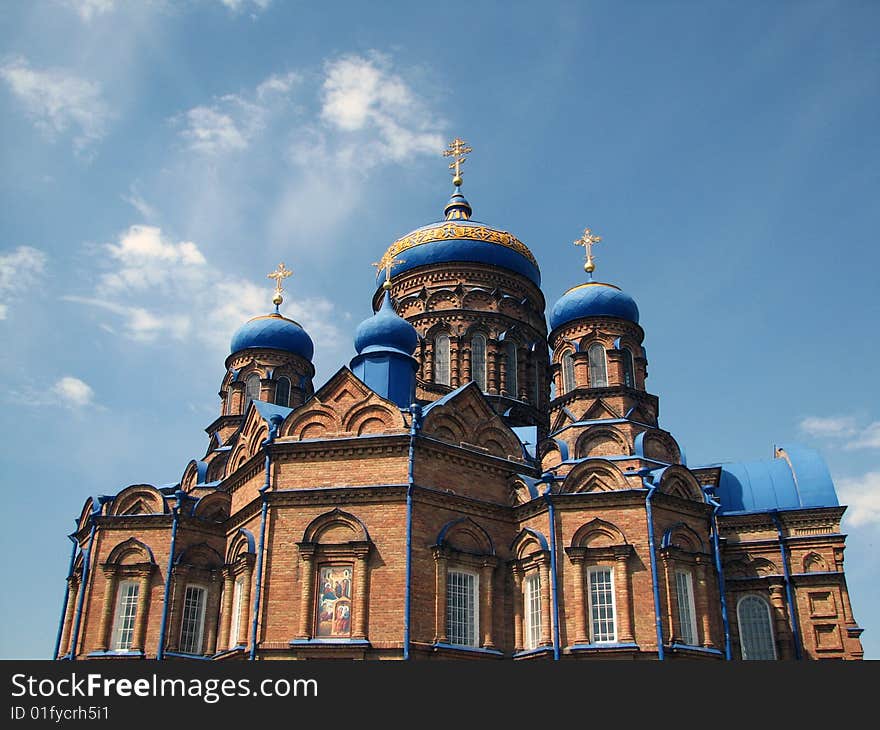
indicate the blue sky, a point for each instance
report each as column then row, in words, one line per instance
column 160, row 158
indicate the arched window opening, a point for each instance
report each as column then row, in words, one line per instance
column 192, row 626
column 598, row 370
column 462, row 607
column 567, row 372
column 126, row 614
column 441, row 360
column 282, row 392
column 687, row 615
column 510, row 357
column 478, row 360
column 532, row 602
column 629, row 379
column 600, row 583
column 252, row 390
column 755, row 628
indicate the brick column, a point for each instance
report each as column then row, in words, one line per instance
column 359, row 620
column 518, row 599
column 307, row 553
column 140, row 624
column 212, row 615
column 428, row 362
column 237, row 388
column 621, row 579
column 703, row 603
column 581, row 366
column 244, row 624
column 546, row 628
column 107, row 609
column 671, row 611
column 580, row 605
column 226, row 610
column 779, row 614
column 486, row 604
column 492, row 369
column 440, row 636
column 466, row 370
column 454, row 349
column 267, row 390
column 72, row 587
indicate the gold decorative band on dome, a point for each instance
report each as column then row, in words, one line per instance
column 450, row 231
column 275, row 315
column 592, row 283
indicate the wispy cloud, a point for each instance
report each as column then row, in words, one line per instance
column 172, row 292
column 19, row 270
column 239, row 6
column 847, row 432
column 58, row 100
column 89, row 9
column 862, row 495
column 68, row 391
column 135, row 200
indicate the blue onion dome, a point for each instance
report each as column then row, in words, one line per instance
column 593, row 299
column 459, row 239
column 273, row 332
column 385, row 331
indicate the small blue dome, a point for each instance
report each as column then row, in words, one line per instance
column 593, row 299
column 273, row 332
column 384, row 331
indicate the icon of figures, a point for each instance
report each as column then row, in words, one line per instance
column 326, row 611
column 346, row 583
column 342, row 623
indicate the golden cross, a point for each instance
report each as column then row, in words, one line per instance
column 280, row 274
column 387, row 262
column 588, row 240
column 457, row 148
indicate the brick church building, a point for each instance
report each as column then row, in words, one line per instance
column 475, row 484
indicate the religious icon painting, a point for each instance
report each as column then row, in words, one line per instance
column 334, row 602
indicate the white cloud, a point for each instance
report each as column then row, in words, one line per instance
column 161, row 289
column 58, row 100
column 845, row 431
column 88, row 9
column 237, row 6
column 73, row 392
column 19, row 270
column 217, row 129
column 363, row 94
column 862, row 496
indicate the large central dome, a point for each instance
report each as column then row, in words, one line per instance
column 459, row 239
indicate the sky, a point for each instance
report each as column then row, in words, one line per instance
column 160, row 158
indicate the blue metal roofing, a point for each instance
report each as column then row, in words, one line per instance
column 796, row 478
column 267, row 410
column 384, row 331
column 274, row 332
column 466, row 250
column 593, row 299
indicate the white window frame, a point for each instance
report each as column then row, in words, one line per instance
column 201, row 607
column 478, row 369
column 442, row 360
column 125, row 622
column 596, row 382
column 533, row 608
column 567, row 372
column 475, row 601
column 235, row 620
column 687, row 614
column 739, row 622
column 593, row 634
column 286, row 404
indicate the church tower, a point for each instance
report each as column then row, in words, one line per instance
column 473, row 294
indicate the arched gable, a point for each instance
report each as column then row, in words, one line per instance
column 213, row 507
column 336, row 527
column 658, row 446
column 601, row 441
column 242, row 544
column 598, row 533
column 594, row 475
column 194, row 473
column 683, row 537
column 814, row 563
column 466, row 536
column 138, row 499
column 200, row 555
column 527, row 543
column 131, row 552
column 679, row 482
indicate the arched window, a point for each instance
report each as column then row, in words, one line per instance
column 755, row 628
column 598, row 371
column 567, row 372
column 252, row 390
column 629, row 378
column 510, row 357
column 282, row 392
column 192, row 625
column 532, row 603
column 126, row 615
column 441, row 360
column 462, row 608
column 478, row 360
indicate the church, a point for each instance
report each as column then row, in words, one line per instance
column 484, row 480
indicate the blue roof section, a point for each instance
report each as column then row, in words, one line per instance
column 593, row 299
column 274, row 332
column 267, row 410
column 466, row 250
column 795, row 479
column 384, row 331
